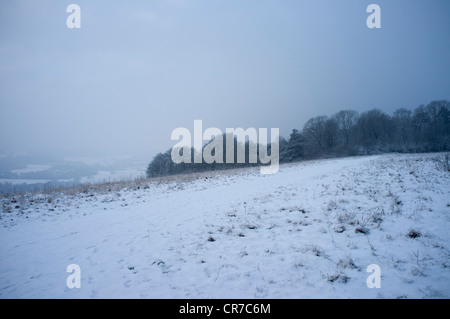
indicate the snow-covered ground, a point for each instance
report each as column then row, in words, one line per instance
column 31, row 168
column 309, row 231
column 118, row 175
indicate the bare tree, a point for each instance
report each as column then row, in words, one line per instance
column 376, row 130
column 402, row 119
column 315, row 134
column 345, row 121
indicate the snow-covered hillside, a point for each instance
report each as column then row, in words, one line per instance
column 309, row 231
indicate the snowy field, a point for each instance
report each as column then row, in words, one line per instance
column 309, row 231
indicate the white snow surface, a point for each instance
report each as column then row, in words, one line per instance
column 31, row 168
column 309, row 231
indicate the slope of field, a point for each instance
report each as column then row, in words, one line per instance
column 309, row 231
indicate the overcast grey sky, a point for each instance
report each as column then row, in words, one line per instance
column 136, row 70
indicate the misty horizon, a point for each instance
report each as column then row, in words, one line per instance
column 135, row 71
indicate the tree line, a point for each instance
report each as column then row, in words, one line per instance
column 346, row 133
